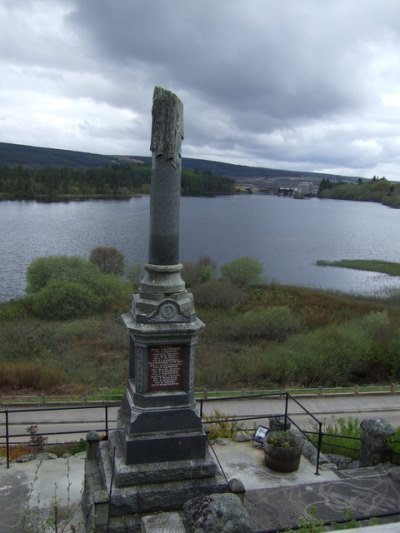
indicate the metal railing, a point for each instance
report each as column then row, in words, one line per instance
column 9, row 419
column 287, row 397
column 7, row 438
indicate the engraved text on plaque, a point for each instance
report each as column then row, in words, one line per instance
column 166, row 368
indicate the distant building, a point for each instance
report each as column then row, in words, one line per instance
column 306, row 188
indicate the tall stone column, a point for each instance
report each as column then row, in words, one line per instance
column 158, row 457
column 158, row 418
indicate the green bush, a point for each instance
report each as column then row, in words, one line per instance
column 243, row 271
column 111, row 290
column 62, row 300
column 273, row 323
column 220, row 294
column 61, row 268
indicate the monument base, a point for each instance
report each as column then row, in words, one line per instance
column 116, row 495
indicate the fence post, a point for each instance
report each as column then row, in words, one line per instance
column 201, row 408
column 319, row 447
column 106, row 415
column 7, row 441
column 286, row 409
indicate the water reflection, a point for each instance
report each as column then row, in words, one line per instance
column 287, row 235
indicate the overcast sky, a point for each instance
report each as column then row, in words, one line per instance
column 295, row 84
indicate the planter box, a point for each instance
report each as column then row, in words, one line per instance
column 281, row 459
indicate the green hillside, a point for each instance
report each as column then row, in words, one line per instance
column 37, row 157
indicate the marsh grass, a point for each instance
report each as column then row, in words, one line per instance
column 270, row 337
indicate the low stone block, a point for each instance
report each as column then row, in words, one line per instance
column 217, row 513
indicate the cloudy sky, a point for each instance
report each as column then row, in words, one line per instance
column 295, row 84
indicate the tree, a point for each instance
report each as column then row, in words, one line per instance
column 243, row 271
column 108, row 259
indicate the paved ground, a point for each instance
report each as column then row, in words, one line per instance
column 273, row 500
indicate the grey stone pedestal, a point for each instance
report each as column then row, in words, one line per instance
column 117, row 495
column 374, row 431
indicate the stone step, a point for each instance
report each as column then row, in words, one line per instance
column 163, row 522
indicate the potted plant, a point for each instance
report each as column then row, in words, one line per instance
column 282, row 451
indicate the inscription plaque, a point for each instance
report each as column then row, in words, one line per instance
column 166, row 368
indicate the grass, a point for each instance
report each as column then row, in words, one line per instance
column 371, row 265
column 299, row 338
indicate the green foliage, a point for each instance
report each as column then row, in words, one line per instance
column 60, row 268
column 112, row 180
column 108, row 259
column 62, row 300
column 394, row 447
column 282, row 439
column 372, row 265
column 342, row 437
column 64, row 287
column 243, row 271
column 273, row 323
column 219, row 426
column 218, row 294
column 376, row 190
column 195, row 182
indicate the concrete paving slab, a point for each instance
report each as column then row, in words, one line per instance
column 273, row 500
column 246, row 462
column 284, row 506
column 30, row 492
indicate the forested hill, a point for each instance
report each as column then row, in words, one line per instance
column 37, row 157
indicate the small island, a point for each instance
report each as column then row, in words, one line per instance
column 370, row 265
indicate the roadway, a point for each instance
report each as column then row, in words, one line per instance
column 75, row 423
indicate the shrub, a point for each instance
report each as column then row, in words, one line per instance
column 221, row 294
column 30, row 376
column 273, row 323
column 59, row 267
column 218, row 425
column 62, row 300
column 243, row 271
column 197, row 272
column 111, row 290
column 108, row 258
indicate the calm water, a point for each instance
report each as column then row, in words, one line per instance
column 288, row 236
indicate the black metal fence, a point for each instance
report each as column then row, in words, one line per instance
column 8, row 438
column 347, row 444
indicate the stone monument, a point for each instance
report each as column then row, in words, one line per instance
column 158, row 457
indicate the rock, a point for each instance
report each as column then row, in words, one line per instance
column 310, row 453
column 340, row 461
column 25, row 458
column 46, row 456
column 66, row 455
column 243, row 437
column 236, row 486
column 374, row 432
column 222, row 442
column 217, row 513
